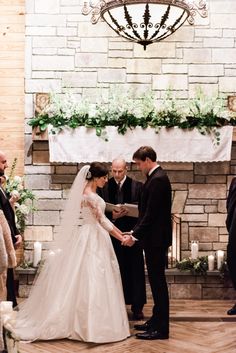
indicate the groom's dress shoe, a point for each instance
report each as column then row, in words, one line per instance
column 143, row 327
column 152, row 335
column 232, row 311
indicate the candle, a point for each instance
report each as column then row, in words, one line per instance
column 37, row 253
column 6, row 307
column 169, row 259
column 211, row 262
column 220, row 258
column 194, row 249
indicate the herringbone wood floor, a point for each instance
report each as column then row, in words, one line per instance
column 196, row 327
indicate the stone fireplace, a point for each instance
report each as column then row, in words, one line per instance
column 199, row 192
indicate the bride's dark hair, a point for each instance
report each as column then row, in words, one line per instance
column 97, row 170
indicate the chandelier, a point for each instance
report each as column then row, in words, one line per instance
column 145, row 21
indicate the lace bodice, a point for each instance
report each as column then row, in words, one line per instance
column 92, row 211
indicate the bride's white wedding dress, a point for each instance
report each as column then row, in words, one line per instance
column 83, row 298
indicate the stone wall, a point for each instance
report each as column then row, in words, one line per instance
column 65, row 52
column 182, row 285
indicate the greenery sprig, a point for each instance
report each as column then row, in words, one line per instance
column 124, row 112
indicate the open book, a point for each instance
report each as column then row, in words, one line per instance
column 132, row 210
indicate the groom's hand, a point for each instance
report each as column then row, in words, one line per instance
column 128, row 240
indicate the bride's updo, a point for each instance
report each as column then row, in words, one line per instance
column 97, row 170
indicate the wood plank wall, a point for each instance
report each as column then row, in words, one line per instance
column 12, row 46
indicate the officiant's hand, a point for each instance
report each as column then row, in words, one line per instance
column 119, row 213
column 18, row 241
column 128, row 239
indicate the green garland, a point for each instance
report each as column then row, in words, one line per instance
column 202, row 112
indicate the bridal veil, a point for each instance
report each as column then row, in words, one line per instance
column 53, row 280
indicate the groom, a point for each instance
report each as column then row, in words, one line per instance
column 154, row 231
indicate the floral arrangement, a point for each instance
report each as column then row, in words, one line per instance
column 121, row 110
column 199, row 266
column 15, row 187
column 195, row 266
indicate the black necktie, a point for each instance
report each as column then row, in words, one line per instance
column 119, row 194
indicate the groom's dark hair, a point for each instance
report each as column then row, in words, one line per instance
column 98, row 169
column 145, row 152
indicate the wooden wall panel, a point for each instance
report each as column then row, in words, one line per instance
column 12, row 39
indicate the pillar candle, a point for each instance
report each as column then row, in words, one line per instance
column 194, row 249
column 220, row 258
column 37, row 253
column 169, row 259
column 211, row 262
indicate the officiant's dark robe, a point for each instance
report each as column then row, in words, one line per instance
column 231, row 227
column 130, row 259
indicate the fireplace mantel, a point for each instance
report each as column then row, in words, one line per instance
column 82, row 145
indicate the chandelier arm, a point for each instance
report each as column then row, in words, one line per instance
column 177, row 22
column 199, row 8
column 120, row 29
column 130, row 22
column 93, row 9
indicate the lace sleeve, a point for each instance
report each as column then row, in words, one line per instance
column 99, row 214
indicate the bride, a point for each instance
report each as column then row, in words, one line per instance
column 78, row 293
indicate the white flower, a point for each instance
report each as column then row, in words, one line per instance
column 17, row 179
column 20, row 187
column 15, row 193
column 24, row 209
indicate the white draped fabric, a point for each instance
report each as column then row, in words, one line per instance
column 172, row 145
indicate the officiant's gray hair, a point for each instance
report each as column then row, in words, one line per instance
column 119, row 160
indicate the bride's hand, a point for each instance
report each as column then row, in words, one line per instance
column 127, row 240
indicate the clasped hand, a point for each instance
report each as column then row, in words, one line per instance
column 118, row 213
column 127, row 239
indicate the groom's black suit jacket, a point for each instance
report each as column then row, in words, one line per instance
column 154, row 230
column 154, row 226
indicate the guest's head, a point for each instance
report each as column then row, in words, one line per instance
column 3, row 162
column 118, row 169
column 145, row 158
column 98, row 174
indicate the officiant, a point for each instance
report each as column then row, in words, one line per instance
column 122, row 189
